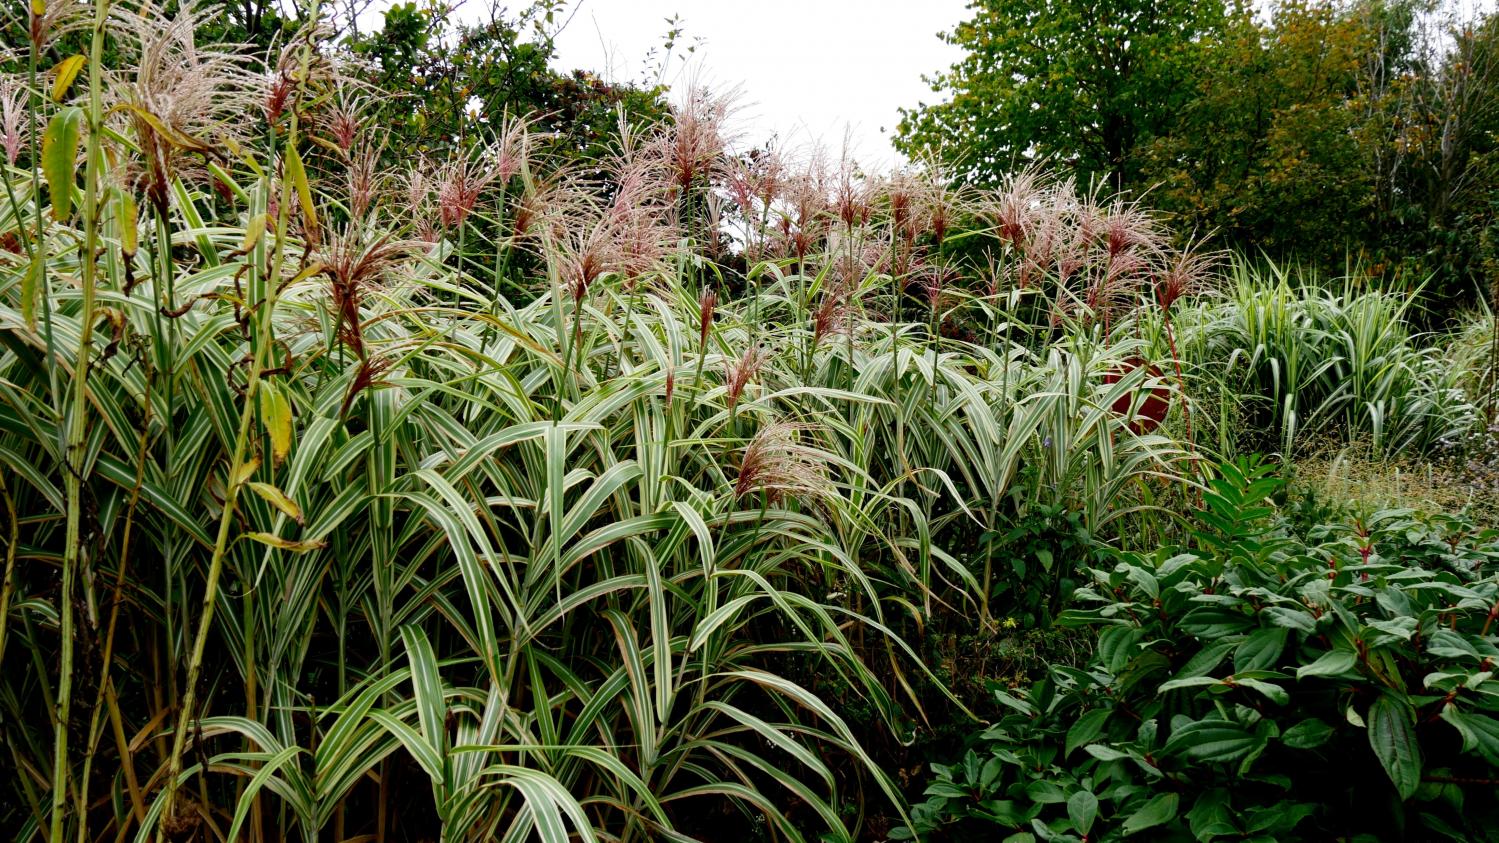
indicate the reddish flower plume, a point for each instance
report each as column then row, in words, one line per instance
column 12, row 120
column 459, row 185
column 740, row 372
column 778, row 465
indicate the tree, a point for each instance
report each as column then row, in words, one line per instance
column 447, row 83
column 1083, row 83
column 1334, row 134
column 1267, row 152
column 1451, row 194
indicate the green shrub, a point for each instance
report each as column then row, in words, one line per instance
column 1264, row 685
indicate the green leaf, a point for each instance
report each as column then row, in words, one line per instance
column 426, row 687
column 1330, row 663
column 1158, row 811
column 1392, row 735
column 1479, row 731
column 59, row 157
column 1308, row 734
column 1276, row 693
column 1261, row 650
column 1105, row 753
column 258, row 781
column 129, row 229
column 1206, row 660
column 1289, row 618
column 1192, row 682
column 1003, row 811
column 29, row 286
column 1209, row 813
column 1212, row 740
column 1082, row 809
column 1086, row 729
column 1117, row 645
column 297, row 173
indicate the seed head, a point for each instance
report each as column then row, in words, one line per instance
column 365, row 180
column 696, row 139
column 900, row 198
column 778, row 465
column 344, row 121
column 706, row 303
column 1188, row 272
column 181, row 94
column 740, row 372
column 851, row 200
column 804, row 221
column 355, row 266
column 512, row 151
column 1015, row 206
column 12, row 120
column 459, row 185
column 831, row 316
column 370, row 374
column 57, row 19
column 1125, row 226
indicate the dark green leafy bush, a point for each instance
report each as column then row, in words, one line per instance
column 1264, row 685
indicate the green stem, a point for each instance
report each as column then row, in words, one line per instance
column 166, row 280
column 501, row 266
column 263, row 339
column 105, row 693
column 563, row 346
column 77, row 454
column 853, row 289
column 35, row 109
column 7, row 586
column 900, row 418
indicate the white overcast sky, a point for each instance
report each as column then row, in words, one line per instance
column 807, row 69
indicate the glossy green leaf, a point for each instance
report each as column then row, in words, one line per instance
column 1392, row 736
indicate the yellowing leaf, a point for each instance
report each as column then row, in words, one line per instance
column 67, row 71
column 328, row 145
column 307, row 272
column 243, row 155
column 279, row 499
column 285, row 544
column 129, row 233
column 246, row 471
column 38, row 7
column 59, row 156
column 253, row 230
column 165, row 132
column 275, row 414
column 29, row 286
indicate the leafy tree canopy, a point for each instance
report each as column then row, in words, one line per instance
column 1083, row 82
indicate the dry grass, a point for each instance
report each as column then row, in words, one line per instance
column 1357, row 476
